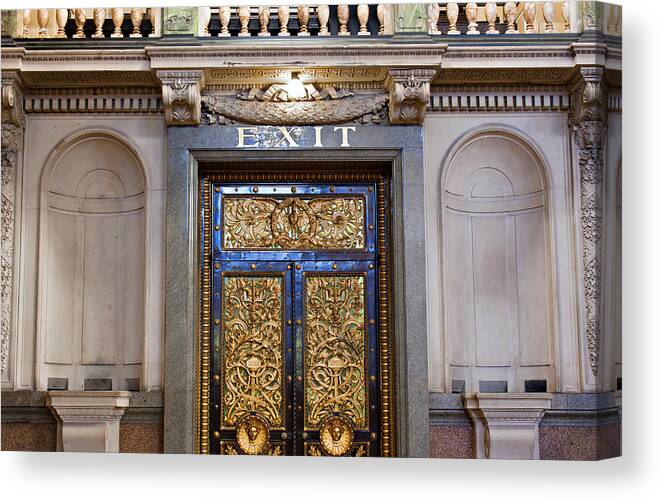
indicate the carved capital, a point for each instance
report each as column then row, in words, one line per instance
column 12, row 99
column 588, row 118
column 409, row 95
column 181, row 96
column 589, row 96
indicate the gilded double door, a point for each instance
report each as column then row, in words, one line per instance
column 295, row 320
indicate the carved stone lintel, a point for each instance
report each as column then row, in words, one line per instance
column 181, row 96
column 588, row 118
column 409, row 95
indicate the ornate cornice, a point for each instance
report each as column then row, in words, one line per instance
column 409, row 94
column 181, row 96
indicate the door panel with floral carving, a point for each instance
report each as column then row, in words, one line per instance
column 295, row 338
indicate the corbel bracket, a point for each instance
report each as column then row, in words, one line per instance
column 409, row 94
column 181, row 96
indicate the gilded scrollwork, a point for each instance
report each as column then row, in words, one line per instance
column 228, row 449
column 252, row 348
column 313, row 450
column 275, row 450
column 360, row 450
column 293, row 223
column 335, row 349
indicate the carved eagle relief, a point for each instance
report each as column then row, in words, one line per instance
column 277, row 105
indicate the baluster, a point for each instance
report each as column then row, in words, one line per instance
column 205, row 18
column 492, row 15
column 244, row 19
column 99, row 18
column 42, row 18
column 549, row 13
column 152, row 20
column 117, row 20
column 264, row 16
column 343, row 18
column 61, row 18
column 26, row 21
column 510, row 16
column 433, row 13
column 224, row 14
column 363, row 12
column 384, row 14
column 452, row 11
column 529, row 13
column 80, row 17
column 283, row 19
column 565, row 16
column 136, row 21
column 303, row 12
column 323, row 13
column 471, row 15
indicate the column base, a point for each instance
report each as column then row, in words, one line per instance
column 88, row 420
column 507, row 425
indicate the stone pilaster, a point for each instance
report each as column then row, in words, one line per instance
column 13, row 121
column 408, row 95
column 181, row 96
column 588, row 119
column 88, row 421
column 507, row 425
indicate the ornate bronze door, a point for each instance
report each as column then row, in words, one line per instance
column 296, row 351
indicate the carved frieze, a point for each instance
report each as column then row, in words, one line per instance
column 409, row 95
column 275, row 106
column 588, row 119
column 181, row 96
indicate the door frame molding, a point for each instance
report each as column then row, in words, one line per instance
column 191, row 147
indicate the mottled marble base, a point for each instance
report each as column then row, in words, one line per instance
column 579, row 443
column 451, row 442
column 141, row 438
column 27, row 436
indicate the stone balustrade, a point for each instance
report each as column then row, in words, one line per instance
column 343, row 20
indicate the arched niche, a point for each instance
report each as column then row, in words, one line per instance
column 92, row 275
column 497, row 281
